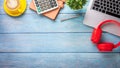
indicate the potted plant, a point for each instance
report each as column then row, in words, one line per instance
column 76, row 4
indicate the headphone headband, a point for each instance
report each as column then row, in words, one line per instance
column 108, row 21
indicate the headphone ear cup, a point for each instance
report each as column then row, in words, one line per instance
column 105, row 47
column 96, row 35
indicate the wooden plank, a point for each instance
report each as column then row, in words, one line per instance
column 58, row 60
column 66, row 9
column 118, row 62
column 36, row 23
column 51, row 42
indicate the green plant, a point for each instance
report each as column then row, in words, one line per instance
column 76, row 4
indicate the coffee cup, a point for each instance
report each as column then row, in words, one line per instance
column 14, row 7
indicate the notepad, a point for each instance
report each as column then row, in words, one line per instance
column 53, row 13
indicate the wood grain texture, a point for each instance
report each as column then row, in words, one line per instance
column 51, row 42
column 36, row 23
column 35, row 33
column 61, row 60
column 34, row 41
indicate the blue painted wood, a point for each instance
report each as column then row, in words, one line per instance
column 36, row 33
column 61, row 60
column 36, row 23
column 118, row 62
column 33, row 41
column 51, row 42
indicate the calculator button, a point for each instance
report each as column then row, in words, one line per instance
column 38, row 9
column 55, row 5
column 37, row 5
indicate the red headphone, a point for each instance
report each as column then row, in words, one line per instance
column 96, row 36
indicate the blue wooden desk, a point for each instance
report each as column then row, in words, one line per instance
column 34, row 41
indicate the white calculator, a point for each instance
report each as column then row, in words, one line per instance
column 43, row 6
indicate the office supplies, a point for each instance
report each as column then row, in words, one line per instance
column 43, row 6
column 14, row 7
column 96, row 36
column 53, row 13
column 72, row 16
column 68, row 17
column 100, row 10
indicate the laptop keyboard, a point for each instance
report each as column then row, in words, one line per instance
column 111, row 7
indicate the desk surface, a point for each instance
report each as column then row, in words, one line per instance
column 34, row 41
